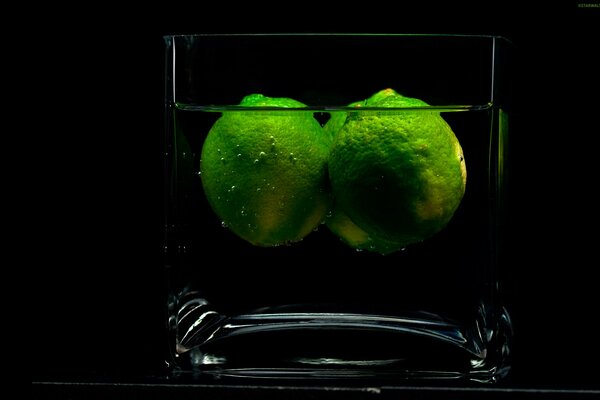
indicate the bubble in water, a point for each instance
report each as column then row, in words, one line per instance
column 196, row 357
column 233, row 188
column 262, row 154
column 239, row 155
column 223, row 159
column 258, row 189
column 224, row 224
column 358, row 250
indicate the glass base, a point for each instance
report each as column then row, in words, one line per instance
column 300, row 343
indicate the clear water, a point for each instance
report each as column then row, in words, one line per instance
column 321, row 309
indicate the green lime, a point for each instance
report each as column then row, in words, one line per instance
column 340, row 223
column 398, row 177
column 338, row 118
column 264, row 171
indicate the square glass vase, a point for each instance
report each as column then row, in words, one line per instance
column 350, row 232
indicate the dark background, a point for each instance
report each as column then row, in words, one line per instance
column 98, row 286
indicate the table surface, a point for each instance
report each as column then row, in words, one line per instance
column 93, row 390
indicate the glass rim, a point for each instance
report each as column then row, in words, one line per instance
column 320, row 34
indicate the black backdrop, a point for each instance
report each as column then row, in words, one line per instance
column 98, row 284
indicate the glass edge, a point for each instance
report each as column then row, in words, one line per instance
column 317, row 34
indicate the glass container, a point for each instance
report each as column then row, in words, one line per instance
column 312, row 305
